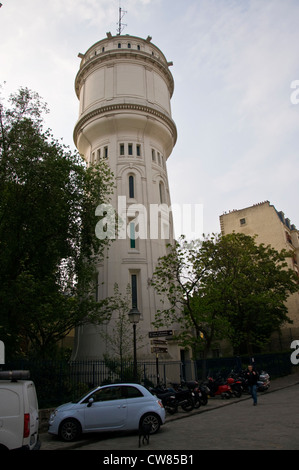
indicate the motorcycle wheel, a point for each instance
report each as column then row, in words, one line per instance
column 188, row 405
column 197, row 403
column 203, row 400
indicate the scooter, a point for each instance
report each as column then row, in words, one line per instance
column 264, row 382
column 236, row 385
column 219, row 387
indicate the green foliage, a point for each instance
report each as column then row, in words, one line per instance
column 48, row 247
column 223, row 287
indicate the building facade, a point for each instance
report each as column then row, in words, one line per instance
column 271, row 228
column 124, row 86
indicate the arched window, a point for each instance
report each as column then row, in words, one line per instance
column 131, row 187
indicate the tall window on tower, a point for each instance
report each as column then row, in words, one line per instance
column 162, row 192
column 134, row 290
column 131, row 186
column 132, row 235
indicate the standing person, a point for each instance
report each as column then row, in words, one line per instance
column 252, row 378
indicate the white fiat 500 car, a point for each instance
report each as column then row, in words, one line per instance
column 108, row 408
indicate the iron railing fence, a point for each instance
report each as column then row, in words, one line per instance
column 60, row 381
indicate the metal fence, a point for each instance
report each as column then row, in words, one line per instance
column 60, row 381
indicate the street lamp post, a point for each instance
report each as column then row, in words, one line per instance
column 134, row 316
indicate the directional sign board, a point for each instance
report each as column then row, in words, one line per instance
column 159, row 350
column 156, row 334
column 161, row 342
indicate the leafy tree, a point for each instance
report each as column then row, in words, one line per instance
column 223, row 287
column 48, row 247
column 256, row 283
column 180, row 278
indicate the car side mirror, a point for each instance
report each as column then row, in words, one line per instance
column 90, row 402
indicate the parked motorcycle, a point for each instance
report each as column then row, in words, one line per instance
column 167, row 397
column 184, row 396
column 172, row 399
column 200, row 392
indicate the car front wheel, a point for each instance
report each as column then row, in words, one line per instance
column 70, row 430
column 153, row 420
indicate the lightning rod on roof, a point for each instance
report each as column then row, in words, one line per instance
column 121, row 14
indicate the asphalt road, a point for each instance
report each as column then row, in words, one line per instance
column 272, row 425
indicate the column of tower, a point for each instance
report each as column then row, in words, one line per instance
column 124, row 87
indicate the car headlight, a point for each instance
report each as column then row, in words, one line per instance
column 52, row 415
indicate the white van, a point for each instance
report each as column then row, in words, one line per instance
column 18, row 412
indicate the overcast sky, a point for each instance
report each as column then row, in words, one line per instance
column 234, row 65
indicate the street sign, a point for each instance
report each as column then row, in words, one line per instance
column 156, row 334
column 2, row 353
column 157, row 349
column 159, row 341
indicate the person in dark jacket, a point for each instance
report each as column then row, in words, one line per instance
column 252, row 378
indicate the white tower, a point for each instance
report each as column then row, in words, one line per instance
column 124, row 86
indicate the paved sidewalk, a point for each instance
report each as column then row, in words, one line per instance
column 217, row 402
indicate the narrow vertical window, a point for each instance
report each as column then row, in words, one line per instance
column 153, row 155
column 129, row 45
column 130, row 149
column 119, row 45
column 134, row 290
column 106, row 152
column 122, row 149
column 138, row 150
column 98, row 155
column 162, row 193
column 131, row 186
column 132, row 235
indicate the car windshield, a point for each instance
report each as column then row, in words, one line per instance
column 77, row 400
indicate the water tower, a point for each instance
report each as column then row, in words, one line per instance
column 124, row 86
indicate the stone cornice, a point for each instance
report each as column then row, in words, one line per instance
column 111, row 108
